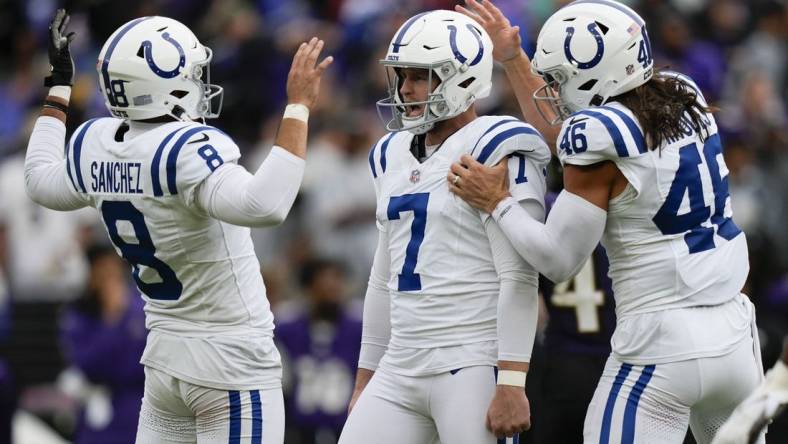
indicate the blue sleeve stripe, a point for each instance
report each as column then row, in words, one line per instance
column 491, row 146
column 630, row 413
column 154, row 169
column 637, row 135
column 68, row 165
column 372, row 161
column 172, row 157
column 490, row 129
column 78, row 153
column 607, row 417
column 612, row 129
column 383, row 149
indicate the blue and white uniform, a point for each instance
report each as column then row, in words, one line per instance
column 166, row 195
column 684, row 349
column 442, row 285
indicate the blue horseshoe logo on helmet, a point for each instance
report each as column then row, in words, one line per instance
column 600, row 47
column 453, row 42
column 148, row 50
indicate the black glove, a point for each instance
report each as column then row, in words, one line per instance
column 62, row 66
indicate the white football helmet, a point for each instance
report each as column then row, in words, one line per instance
column 452, row 47
column 155, row 66
column 589, row 51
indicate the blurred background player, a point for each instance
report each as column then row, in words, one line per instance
column 103, row 335
column 766, row 402
column 643, row 173
column 176, row 206
column 448, row 299
column 318, row 339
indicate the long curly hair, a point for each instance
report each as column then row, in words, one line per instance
column 660, row 104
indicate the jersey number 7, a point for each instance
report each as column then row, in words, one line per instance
column 409, row 280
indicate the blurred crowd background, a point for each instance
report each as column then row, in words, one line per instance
column 71, row 322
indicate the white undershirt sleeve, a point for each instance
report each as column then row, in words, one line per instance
column 518, row 299
column 559, row 247
column 46, row 177
column 376, row 330
column 232, row 194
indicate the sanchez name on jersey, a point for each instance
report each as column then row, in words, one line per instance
column 204, row 297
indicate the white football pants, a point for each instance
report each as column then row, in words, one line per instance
column 449, row 407
column 174, row 411
column 653, row 404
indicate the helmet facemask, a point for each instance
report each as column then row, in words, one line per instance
column 435, row 108
column 550, row 94
column 211, row 97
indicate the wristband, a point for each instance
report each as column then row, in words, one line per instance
column 61, row 91
column 56, row 105
column 296, row 111
column 511, row 377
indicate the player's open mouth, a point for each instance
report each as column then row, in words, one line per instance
column 413, row 110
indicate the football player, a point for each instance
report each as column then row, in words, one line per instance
column 448, row 299
column 643, row 172
column 177, row 205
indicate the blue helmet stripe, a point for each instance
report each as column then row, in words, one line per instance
column 491, row 146
column 78, row 153
column 615, row 5
column 403, row 30
column 154, row 169
column 637, row 136
column 108, row 55
column 612, row 129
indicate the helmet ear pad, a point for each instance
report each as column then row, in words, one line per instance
column 456, row 50
column 593, row 51
column 155, row 66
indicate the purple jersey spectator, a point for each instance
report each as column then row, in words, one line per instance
column 106, row 346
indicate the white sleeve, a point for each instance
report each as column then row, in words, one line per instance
column 559, row 247
column 231, row 194
column 518, row 300
column 46, row 177
column 376, row 329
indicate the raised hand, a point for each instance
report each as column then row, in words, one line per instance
column 505, row 37
column 61, row 64
column 303, row 81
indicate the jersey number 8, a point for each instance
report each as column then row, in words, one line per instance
column 141, row 253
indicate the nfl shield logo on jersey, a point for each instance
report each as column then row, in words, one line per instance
column 415, row 176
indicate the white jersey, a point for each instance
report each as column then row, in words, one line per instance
column 670, row 236
column 209, row 320
column 443, row 283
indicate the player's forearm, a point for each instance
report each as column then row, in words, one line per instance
column 559, row 247
column 525, row 83
column 263, row 199
column 293, row 130
column 376, row 325
column 46, row 180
